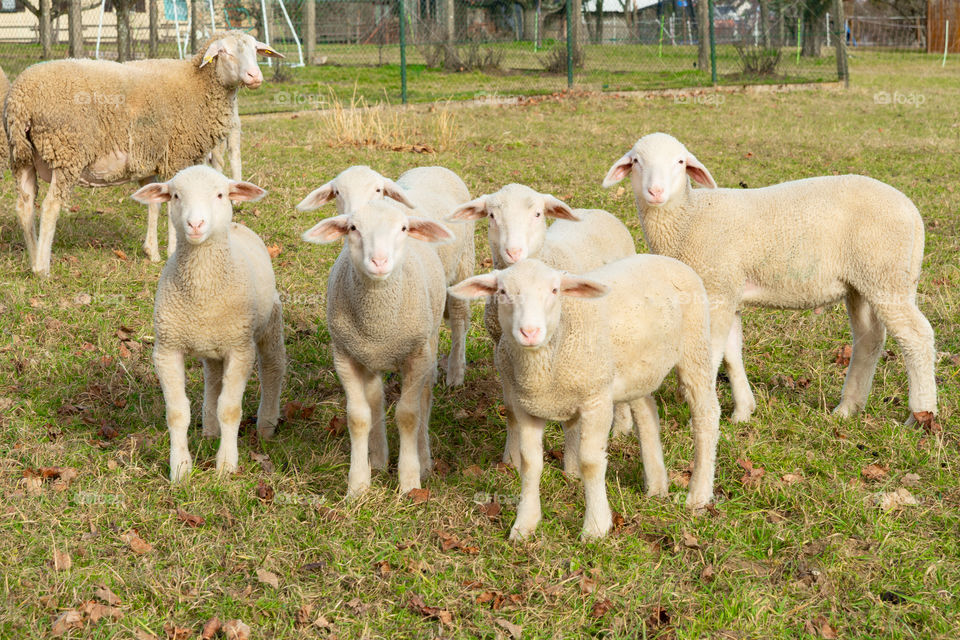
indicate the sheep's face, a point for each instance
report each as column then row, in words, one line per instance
column 353, row 188
column 528, row 298
column 236, row 59
column 659, row 166
column 376, row 236
column 518, row 220
column 200, row 201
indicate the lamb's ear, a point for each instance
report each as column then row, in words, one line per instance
column 476, row 287
column 265, row 50
column 246, row 192
column 428, row 230
column 328, row 230
column 698, row 173
column 473, row 210
column 556, row 208
column 317, row 198
column 216, row 48
column 152, row 193
column 394, row 191
column 620, row 169
column 582, row 287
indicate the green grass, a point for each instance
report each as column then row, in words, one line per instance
column 784, row 555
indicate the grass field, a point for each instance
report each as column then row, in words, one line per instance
column 799, row 551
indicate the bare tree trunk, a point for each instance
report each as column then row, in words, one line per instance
column 811, row 35
column 598, row 22
column 194, row 24
column 123, row 30
column 46, row 40
column 840, row 22
column 530, row 23
column 76, row 29
column 154, row 47
column 449, row 14
column 703, row 35
column 310, row 28
column 764, row 24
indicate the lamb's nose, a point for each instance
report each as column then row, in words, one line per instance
column 195, row 226
column 530, row 334
column 514, row 254
column 655, row 192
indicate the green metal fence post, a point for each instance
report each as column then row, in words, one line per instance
column 403, row 52
column 570, row 33
column 713, row 46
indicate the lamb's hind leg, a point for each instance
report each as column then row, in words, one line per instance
column 699, row 390
column 60, row 185
column 743, row 400
column 26, row 179
column 150, row 244
column 418, row 372
column 272, row 361
column 869, row 335
column 212, row 385
column 910, row 328
column 647, row 427
column 459, row 320
column 379, row 449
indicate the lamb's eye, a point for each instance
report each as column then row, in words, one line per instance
column 336, row 194
column 490, row 215
column 539, row 213
column 220, row 196
column 404, row 228
column 554, row 291
column 502, row 292
column 353, row 227
column 379, row 190
column 176, row 196
column 680, row 161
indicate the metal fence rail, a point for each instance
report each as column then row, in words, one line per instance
column 435, row 49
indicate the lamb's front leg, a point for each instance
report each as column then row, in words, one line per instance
column 237, row 367
column 418, row 372
column 595, row 419
column 169, row 366
column 511, row 448
column 529, row 432
column 355, row 377
column 212, row 386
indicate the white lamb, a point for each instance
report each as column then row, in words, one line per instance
column 216, row 300
column 578, row 241
column 567, row 359
column 797, row 245
column 428, row 192
column 385, row 298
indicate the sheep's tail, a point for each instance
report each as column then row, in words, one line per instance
column 17, row 123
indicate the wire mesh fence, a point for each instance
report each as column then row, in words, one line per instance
column 438, row 49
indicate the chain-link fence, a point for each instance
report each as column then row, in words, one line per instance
column 438, row 49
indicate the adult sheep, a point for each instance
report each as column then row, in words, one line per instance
column 794, row 245
column 99, row 123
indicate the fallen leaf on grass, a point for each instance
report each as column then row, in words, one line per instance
column 418, row 495
column 176, row 633
column 928, row 421
column 310, row 567
column 210, row 629
column 304, row 615
column 708, row 574
column 120, row 254
column 268, row 577
column 107, row 596
column 753, row 474
column 274, row 250
column 600, row 608
column 449, row 541
column 473, row 470
column 331, row 515
column 143, row 634
column 95, row 611
column 264, row 491
column 514, row 630
column 236, row 630
column 189, row 519
column 61, row 561
column 337, row 425
column 681, row 478
column 137, row 544
column 442, row 468
column 491, row 509
column 264, row 460
column 910, row 480
column 842, row 355
column 822, row 627
column 382, row 568
column 65, row 622
column 297, row 410
column 895, row 499
column 791, row 478
column 874, row 473
column 107, row 431
column 417, row 605
column 690, row 541
column 555, row 454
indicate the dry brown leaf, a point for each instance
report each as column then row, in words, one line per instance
column 753, row 474
column 107, row 596
column 708, row 574
column 304, row 615
column 842, row 355
column 419, row 495
column 895, row 499
column 442, row 468
column 928, row 421
column 66, row 621
column 143, row 634
column 298, row 411
column 176, row 633
column 491, row 509
column 189, row 519
column 910, row 480
column 690, row 541
column 600, row 608
column 268, row 577
column 137, row 544
column 417, row 605
column 659, row 617
column 791, row 478
column 274, row 250
column 473, row 470
column 681, row 478
column 94, row 611
column 515, row 631
column 874, row 473
column 236, row 630
column 449, row 541
column 382, row 568
column 61, row 561
column 337, row 425
column 210, row 629
column 820, row 625
column 120, row 254
column 265, row 492
column 264, row 460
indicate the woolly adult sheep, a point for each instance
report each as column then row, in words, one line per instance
column 565, row 357
column 4, row 87
column 385, row 298
column 98, row 123
column 579, row 240
column 429, row 192
column 800, row 245
column 217, row 300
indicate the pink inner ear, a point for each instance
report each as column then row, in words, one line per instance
column 317, row 198
column 619, row 170
column 476, row 287
column 245, row 191
column 473, row 210
column 152, row 193
column 427, row 230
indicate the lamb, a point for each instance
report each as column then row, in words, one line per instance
column 429, row 192
column 385, row 299
column 565, row 357
column 98, row 123
column 800, row 245
column 518, row 229
column 217, row 300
